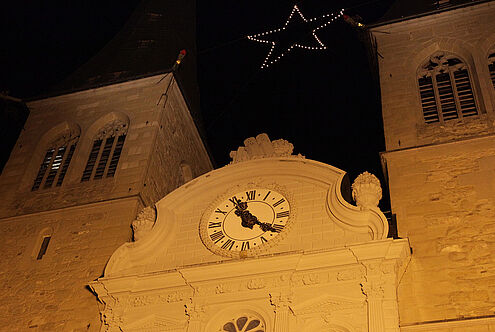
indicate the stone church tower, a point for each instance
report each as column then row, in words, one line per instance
column 116, row 136
column 437, row 74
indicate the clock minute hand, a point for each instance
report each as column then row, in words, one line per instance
column 266, row 227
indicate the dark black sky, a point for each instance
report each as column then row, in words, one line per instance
column 324, row 102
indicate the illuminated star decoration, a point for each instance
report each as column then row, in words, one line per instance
column 282, row 43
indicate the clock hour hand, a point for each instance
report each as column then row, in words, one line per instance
column 248, row 220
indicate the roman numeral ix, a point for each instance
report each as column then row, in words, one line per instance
column 215, row 237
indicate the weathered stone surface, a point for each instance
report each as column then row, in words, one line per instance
column 86, row 221
column 442, row 175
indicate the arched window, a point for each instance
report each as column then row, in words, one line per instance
column 244, row 323
column 105, row 152
column 491, row 65
column 445, row 89
column 56, row 161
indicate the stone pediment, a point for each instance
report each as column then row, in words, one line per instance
column 319, row 217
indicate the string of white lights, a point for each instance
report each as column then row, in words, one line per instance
column 268, row 61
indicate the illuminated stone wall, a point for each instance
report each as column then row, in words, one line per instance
column 87, row 221
column 468, row 33
column 441, row 175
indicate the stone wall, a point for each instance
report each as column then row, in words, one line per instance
column 50, row 294
column 444, row 198
column 87, row 221
column 177, row 143
column 441, row 175
column 153, row 130
column 468, row 33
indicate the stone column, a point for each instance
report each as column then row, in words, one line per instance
column 281, row 303
column 374, row 292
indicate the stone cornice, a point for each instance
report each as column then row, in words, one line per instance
column 395, row 251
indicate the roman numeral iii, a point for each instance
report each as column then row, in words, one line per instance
column 282, row 214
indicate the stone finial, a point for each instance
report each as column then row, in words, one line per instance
column 366, row 190
column 143, row 223
column 262, row 147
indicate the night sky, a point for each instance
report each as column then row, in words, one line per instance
column 325, row 102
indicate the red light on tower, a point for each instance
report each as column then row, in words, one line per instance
column 181, row 56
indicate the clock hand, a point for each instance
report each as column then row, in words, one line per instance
column 248, row 220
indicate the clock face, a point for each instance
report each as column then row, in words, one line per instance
column 246, row 220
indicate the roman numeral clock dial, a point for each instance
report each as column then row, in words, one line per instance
column 245, row 222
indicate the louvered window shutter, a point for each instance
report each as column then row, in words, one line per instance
column 428, row 100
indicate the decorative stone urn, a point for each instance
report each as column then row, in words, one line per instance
column 366, row 191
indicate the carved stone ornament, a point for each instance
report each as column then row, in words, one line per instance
column 281, row 300
column 374, row 289
column 262, row 147
column 440, row 62
column 112, row 129
column 69, row 137
column 195, row 311
column 144, row 222
column 366, row 190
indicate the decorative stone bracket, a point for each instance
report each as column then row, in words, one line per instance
column 143, row 223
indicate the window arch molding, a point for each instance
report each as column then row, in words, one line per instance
column 483, row 49
column 450, row 45
column 461, row 49
column 446, row 88
column 87, row 143
column 68, row 131
column 230, row 314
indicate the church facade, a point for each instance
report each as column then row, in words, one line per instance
column 266, row 243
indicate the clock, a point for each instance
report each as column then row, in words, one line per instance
column 245, row 222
